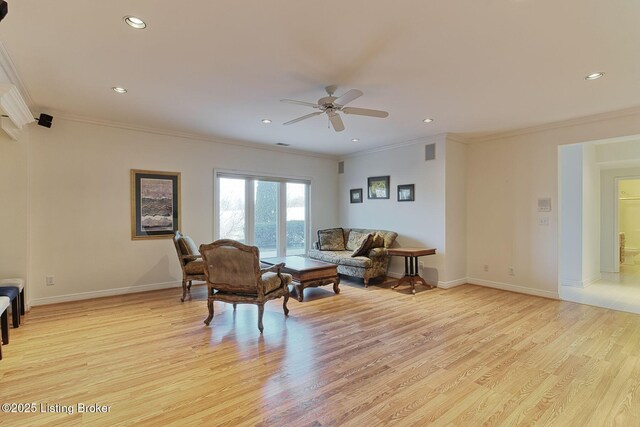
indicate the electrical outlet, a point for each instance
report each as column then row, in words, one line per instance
column 511, row 271
column 543, row 220
column 486, row 267
column 50, row 280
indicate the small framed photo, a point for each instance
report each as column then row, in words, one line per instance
column 378, row 187
column 356, row 195
column 155, row 204
column 406, row 193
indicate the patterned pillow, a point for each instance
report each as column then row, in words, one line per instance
column 377, row 241
column 364, row 247
column 355, row 240
column 187, row 247
column 331, row 239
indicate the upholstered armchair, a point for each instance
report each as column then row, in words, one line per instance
column 190, row 262
column 233, row 275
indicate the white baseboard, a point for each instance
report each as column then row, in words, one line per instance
column 513, row 288
column 580, row 283
column 453, row 283
column 103, row 293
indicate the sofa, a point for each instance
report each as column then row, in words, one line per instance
column 358, row 252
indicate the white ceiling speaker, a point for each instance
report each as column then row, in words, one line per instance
column 331, row 106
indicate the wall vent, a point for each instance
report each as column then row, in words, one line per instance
column 430, row 152
column 340, row 167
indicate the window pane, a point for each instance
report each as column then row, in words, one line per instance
column 266, row 218
column 296, row 227
column 232, row 208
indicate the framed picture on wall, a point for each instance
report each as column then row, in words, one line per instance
column 155, row 204
column 406, row 193
column 378, row 187
column 356, row 195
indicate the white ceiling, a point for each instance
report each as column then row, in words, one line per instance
column 216, row 68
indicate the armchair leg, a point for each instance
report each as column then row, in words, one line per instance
column 366, row 282
column 210, row 306
column 260, row 313
column 235, row 305
column 284, row 304
column 184, row 290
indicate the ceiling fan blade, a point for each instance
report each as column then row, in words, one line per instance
column 290, row 122
column 348, row 97
column 365, row 112
column 336, row 122
column 293, row 101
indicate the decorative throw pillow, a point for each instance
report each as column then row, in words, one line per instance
column 364, row 247
column 355, row 240
column 187, row 247
column 377, row 241
column 331, row 239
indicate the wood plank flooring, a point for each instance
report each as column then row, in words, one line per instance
column 366, row 357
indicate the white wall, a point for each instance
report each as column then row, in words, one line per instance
column 13, row 213
column 570, row 206
column 590, row 216
column 439, row 186
column 506, row 176
column 80, row 204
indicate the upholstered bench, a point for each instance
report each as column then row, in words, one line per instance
column 19, row 283
column 12, row 293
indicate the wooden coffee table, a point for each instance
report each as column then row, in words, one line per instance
column 307, row 273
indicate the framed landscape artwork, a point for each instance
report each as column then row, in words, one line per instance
column 406, row 193
column 155, row 204
column 356, row 195
column 378, row 187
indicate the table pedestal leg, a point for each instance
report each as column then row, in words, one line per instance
column 411, row 275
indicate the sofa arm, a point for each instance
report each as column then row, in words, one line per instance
column 316, row 245
column 377, row 253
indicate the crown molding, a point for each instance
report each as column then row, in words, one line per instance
column 9, row 68
column 191, row 136
column 423, row 140
column 557, row 125
column 14, row 106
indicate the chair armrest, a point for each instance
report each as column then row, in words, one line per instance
column 377, row 253
column 274, row 268
column 191, row 257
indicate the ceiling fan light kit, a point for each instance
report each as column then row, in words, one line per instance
column 331, row 106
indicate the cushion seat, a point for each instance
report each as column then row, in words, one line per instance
column 194, row 267
column 340, row 257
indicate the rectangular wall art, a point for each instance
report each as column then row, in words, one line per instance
column 155, row 204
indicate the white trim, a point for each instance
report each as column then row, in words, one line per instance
column 442, row 137
column 580, row 283
column 14, row 106
column 513, row 288
column 555, row 125
column 453, row 283
column 9, row 68
column 191, row 136
column 105, row 293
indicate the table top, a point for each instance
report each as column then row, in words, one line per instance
column 411, row 251
column 298, row 263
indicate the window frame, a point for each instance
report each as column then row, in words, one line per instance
column 249, row 222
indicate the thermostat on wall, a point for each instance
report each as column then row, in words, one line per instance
column 544, row 205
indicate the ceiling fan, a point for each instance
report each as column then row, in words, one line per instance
column 331, row 105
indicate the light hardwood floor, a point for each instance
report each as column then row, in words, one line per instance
column 466, row 356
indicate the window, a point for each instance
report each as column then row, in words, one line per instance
column 268, row 212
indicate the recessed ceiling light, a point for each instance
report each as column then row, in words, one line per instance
column 427, row 120
column 266, row 121
column 594, row 76
column 355, row 139
column 134, row 22
column 119, row 89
